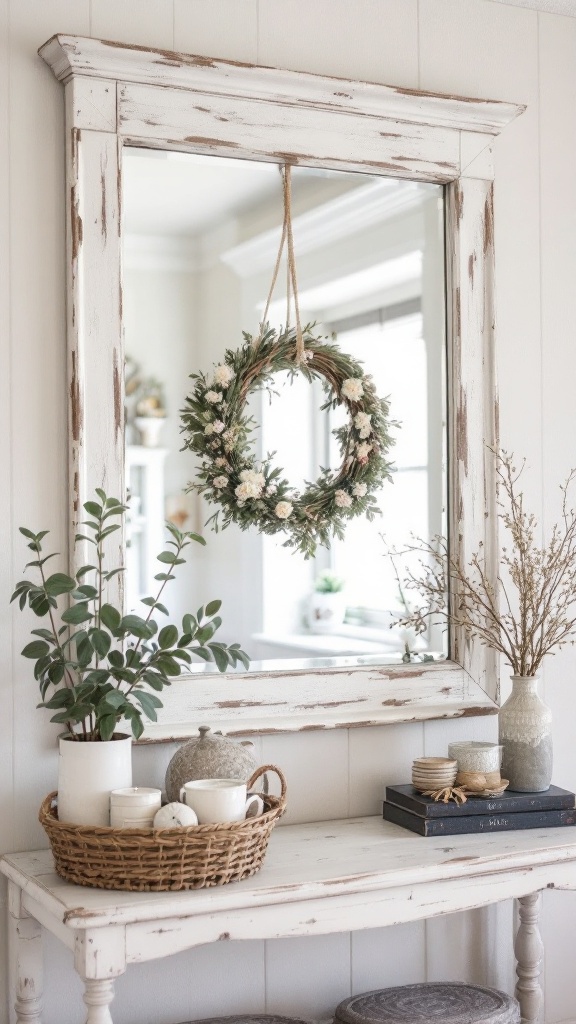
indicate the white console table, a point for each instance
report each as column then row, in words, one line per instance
column 318, row 878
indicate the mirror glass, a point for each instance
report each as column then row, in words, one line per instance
column 200, row 238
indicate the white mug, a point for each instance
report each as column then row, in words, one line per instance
column 217, row 801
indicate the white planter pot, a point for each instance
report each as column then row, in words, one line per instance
column 327, row 612
column 87, row 773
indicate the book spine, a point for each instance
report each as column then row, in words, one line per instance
column 476, row 805
column 477, row 823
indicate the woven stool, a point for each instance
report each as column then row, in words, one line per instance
column 444, row 1002
column 253, row 1018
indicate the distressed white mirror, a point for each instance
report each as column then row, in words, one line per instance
column 137, row 122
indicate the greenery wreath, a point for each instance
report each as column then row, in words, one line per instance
column 218, row 428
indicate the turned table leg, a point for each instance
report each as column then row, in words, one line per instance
column 98, row 995
column 100, row 958
column 25, row 962
column 529, row 951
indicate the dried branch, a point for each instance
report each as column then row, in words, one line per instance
column 529, row 610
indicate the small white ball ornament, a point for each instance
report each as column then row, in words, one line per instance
column 174, row 815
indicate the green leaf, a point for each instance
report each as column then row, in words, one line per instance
column 78, row 613
column 113, row 572
column 44, row 633
column 101, row 494
column 83, row 570
column 56, row 672
column 205, row 633
column 116, row 659
column 164, row 576
column 61, row 717
column 243, row 658
column 151, row 602
column 203, row 653
column 136, row 626
column 110, row 616
column 213, row 607
column 101, row 641
column 109, row 529
column 167, row 637
column 166, row 556
column 189, row 624
column 155, row 680
column 146, row 700
column 197, row 538
column 182, row 655
column 59, row 583
column 27, row 533
column 61, row 699
column 93, row 509
column 85, row 591
column 168, row 665
column 37, row 649
column 84, row 649
column 97, row 676
column 106, row 726
column 114, row 699
column 220, row 657
column 135, row 717
column 40, row 605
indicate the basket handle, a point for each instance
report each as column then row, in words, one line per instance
column 262, row 771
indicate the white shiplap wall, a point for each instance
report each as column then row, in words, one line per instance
column 464, row 46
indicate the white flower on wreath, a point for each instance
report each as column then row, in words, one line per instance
column 229, row 439
column 218, row 426
column 209, row 429
column 221, row 462
column 342, row 499
column 363, row 451
column 352, row 389
column 252, row 484
column 359, row 490
column 222, row 375
column 283, row 509
column 363, row 424
column 220, row 481
column 214, row 397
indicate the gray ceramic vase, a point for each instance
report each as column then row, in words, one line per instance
column 525, row 731
column 209, row 756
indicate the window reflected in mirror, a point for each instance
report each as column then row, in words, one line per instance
column 200, row 237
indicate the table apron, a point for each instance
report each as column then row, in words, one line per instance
column 149, row 940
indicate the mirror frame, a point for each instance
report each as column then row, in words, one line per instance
column 118, row 95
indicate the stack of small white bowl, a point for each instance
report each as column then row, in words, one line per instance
column 432, row 773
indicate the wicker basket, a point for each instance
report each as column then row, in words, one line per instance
column 154, row 860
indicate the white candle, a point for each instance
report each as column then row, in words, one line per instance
column 134, row 807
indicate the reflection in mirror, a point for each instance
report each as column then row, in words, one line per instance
column 200, row 240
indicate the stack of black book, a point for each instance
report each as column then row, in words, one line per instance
column 428, row 817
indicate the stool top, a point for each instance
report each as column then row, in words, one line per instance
column 252, row 1018
column 447, row 1002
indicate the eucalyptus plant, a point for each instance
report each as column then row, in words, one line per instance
column 96, row 666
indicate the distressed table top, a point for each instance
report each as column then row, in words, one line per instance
column 374, row 871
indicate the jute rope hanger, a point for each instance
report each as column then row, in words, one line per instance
column 291, row 284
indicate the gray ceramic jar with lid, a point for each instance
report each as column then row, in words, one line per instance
column 209, row 756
